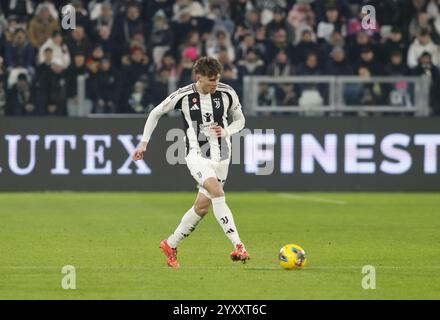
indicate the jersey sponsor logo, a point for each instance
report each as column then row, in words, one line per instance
column 207, row 117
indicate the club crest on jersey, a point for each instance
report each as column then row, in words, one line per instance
column 194, row 100
column 207, row 116
column 216, row 103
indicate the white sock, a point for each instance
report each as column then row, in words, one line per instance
column 224, row 217
column 184, row 229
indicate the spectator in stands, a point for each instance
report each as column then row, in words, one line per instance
column 252, row 64
column 52, row 91
column 190, row 17
column 42, row 26
column 105, row 16
column 301, row 16
column 336, row 40
column 9, row 27
column 362, row 41
column 279, row 22
column 22, row 9
column 281, row 66
column 311, row 66
column 161, row 38
column 395, row 42
column 246, row 42
column 225, row 60
column 321, row 8
column 230, row 77
column 107, row 42
column 422, row 43
column 93, row 61
column 286, row 95
column 369, row 60
column 160, row 86
column 305, row 46
column 396, row 65
column 363, row 94
column 193, row 42
column 139, row 100
column 20, row 53
column 426, row 68
column 130, row 24
column 82, row 16
column 189, row 56
column 310, row 94
column 44, row 67
column 338, row 64
column 78, row 42
column 138, row 65
column 50, row 6
column 252, row 21
column 76, row 69
column 333, row 22
column 59, row 49
column 169, row 63
column 279, row 43
column 220, row 42
column 421, row 22
column 106, row 88
column 21, row 98
column 154, row 6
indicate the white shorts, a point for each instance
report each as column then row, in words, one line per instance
column 202, row 169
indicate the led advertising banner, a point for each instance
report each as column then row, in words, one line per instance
column 274, row 154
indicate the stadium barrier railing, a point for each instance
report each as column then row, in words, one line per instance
column 336, row 95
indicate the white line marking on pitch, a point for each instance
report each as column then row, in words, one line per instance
column 248, row 267
column 312, row 199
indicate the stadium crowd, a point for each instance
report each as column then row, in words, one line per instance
column 128, row 50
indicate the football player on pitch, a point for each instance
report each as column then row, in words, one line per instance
column 206, row 107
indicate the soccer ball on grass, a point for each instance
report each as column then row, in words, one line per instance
column 292, row 256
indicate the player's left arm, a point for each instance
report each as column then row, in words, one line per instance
column 238, row 120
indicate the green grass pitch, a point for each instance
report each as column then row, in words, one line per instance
column 112, row 240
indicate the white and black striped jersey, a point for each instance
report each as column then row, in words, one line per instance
column 200, row 112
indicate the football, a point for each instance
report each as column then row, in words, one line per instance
column 292, row 256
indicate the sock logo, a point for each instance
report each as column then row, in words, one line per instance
column 230, row 231
column 224, row 220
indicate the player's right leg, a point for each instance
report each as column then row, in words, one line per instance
column 225, row 218
column 187, row 225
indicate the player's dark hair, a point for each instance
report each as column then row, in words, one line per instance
column 208, row 67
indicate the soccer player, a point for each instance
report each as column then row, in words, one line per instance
column 206, row 107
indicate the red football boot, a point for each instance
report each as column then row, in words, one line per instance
column 171, row 254
column 240, row 254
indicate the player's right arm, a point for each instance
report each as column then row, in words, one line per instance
column 164, row 107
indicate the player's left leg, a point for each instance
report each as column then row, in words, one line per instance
column 225, row 218
column 190, row 220
column 187, row 225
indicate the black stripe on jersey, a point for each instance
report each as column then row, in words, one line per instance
column 178, row 105
column 195, row 112
column 218, row 109
column 229, row 98
column 224, row 86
